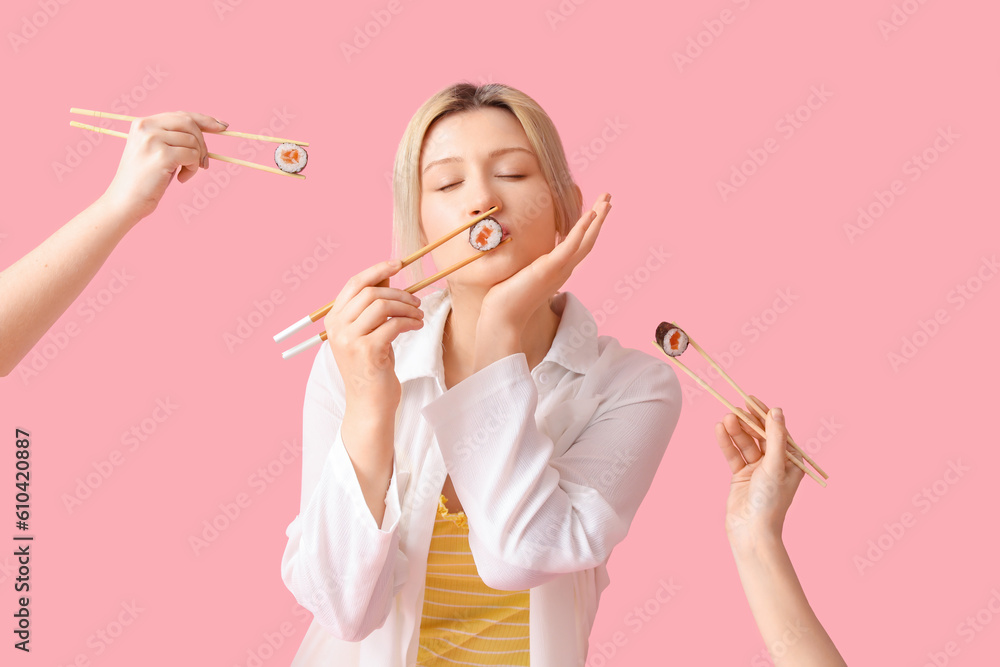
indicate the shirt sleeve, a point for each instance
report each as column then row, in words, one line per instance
column 338, row 563
column 532, row 516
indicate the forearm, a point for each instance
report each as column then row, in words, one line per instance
column 338, row 563
column 37, row 289
column 369, row 438
column 527, row 524
column 780, row 607
column 532, row 514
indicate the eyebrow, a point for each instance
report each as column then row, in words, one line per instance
column 493, row 154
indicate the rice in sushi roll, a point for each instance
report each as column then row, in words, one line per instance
column 486, row 234
column 290, row 157
column 672, row 339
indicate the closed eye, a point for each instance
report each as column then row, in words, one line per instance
column 451, row 185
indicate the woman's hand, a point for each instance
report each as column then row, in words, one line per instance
column 764, row 480
column 155, row 148
column 361, row 336
column 508, row 304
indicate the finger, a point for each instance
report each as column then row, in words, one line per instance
column 387, row 332
column 186, row 158
column 180, row 139
column 762, row 415
column 373, row 275
column 591, row 227
column 180, row 121
column 206, row 123
column 774, row 457
column 378, row 312
column 746, row 444
column 567, row 252
column 749, row 429
column 185, row 120
column 591, row 232
column 587, row 219
column 352, row 311
column 729, row 450
column 568, row 246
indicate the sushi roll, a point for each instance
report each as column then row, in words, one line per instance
column 290, row 157
column 672, row 339
column 486, row 234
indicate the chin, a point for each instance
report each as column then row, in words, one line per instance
column 487, row 276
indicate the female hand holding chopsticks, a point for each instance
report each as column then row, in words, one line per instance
column 157, row 146
column 39, row 287
column 761, row 490
column 365, row 319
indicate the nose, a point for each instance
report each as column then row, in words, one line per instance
column 486, row 205
column 483, row 199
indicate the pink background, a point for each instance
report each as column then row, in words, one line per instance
column 660, row 137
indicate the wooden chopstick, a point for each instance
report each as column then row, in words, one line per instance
column 737, row 412
column 102, row 130
column 750, row 401
column 321, row 313
column 320, row 337
column 226, row 133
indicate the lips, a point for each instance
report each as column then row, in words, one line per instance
column 506, row 233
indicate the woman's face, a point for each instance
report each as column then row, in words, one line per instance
column 469, row 162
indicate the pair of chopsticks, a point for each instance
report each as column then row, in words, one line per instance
column 214, row 156
column 319, row 314
column 739, row 413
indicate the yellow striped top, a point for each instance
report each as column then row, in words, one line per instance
column 465, row 622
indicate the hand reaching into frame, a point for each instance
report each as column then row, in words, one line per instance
column 763, row 484
column 157, row 146
column 764, row 480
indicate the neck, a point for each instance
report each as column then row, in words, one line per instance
column 459, row 338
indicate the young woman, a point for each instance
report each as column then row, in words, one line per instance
column 470, row 459
column 37, row 289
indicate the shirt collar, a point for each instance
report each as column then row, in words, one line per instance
column 419, row 353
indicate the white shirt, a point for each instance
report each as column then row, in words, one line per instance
column 550, row 465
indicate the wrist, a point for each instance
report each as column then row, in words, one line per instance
column 113, row 215
column 759, row 545
column 370, row 415
column 373, row 427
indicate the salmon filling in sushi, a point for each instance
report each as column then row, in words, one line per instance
column 291, row 158
column 672, row 339
column 486, row 234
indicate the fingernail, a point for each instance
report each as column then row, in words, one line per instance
column 222, row 123
column 776, row 413
column 204, row 162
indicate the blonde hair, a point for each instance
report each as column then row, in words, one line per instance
column 464, row 96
